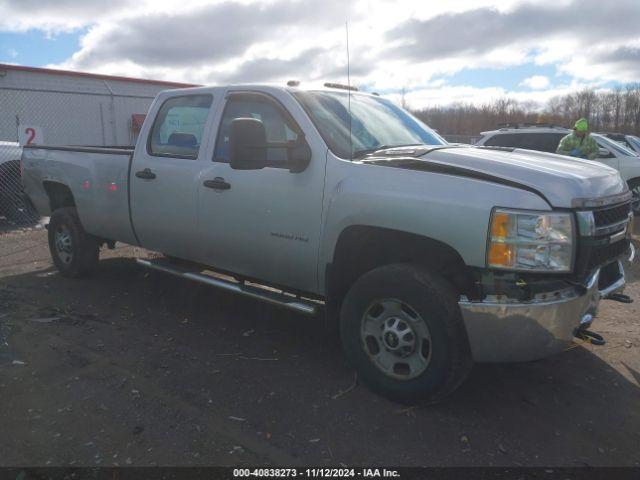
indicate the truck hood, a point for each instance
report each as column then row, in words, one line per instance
column 562, row 181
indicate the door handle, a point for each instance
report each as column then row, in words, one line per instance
column 146, row 174
column 217, row 183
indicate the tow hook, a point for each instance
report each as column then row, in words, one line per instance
column 588, row 336
column 619, row 297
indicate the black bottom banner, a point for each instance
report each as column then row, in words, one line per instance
column 404, row 473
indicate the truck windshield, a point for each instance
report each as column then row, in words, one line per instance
column 615, row 146
column 375, row 123
column 634, row 141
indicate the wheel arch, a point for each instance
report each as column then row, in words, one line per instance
column 60, row 195
column 361, row 248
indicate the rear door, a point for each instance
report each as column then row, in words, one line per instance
column 164, row 175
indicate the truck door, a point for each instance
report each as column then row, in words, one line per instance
column 164, row 176
column 264, row 224
column 611, row 158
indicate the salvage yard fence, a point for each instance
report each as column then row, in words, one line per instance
column 15, row 211
column 41, row 108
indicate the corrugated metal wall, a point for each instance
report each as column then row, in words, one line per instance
column 71, row 109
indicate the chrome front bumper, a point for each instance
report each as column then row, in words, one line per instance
column 517, row 332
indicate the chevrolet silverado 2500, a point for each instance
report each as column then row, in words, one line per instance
column 430, row 256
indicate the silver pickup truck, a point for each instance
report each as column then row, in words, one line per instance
column 429, row 256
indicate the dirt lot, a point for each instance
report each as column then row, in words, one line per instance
column 131, row 367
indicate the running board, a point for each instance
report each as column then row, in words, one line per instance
column 275, row 298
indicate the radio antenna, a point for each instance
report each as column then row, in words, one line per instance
column 346, row 24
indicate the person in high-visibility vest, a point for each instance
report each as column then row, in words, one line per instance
column 579, row 143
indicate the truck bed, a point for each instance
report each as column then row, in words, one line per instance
column 96, row 178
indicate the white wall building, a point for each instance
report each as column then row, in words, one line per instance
column 73, row 108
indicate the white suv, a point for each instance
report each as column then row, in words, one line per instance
column 545, row 138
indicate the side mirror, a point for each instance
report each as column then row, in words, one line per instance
column 247, row 144
column 604, row 153
column 299, row 155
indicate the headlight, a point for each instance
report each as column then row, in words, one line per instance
column 521, row 240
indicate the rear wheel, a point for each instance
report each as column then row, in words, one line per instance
column 634, row 186
column 402, row 329
column 74, row 252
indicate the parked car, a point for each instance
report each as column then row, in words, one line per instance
column 545, row 138
column 631, row 142
column 430, row 256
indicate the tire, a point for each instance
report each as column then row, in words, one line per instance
column 74, row 252
column 634, row 186
column 427, row 306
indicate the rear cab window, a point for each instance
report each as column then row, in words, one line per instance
column 178, row 127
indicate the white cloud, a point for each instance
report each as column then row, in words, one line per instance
column 394, row 45
column 58, row 16
column 536, row 82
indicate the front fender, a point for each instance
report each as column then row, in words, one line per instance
column 450, row 209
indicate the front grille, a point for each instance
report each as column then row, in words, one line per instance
column 603, row 254
column 612, row 215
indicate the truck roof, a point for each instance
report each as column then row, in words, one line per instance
column 312, row 87
column 527, row 129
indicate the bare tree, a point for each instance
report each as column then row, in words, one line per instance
column 617, row 110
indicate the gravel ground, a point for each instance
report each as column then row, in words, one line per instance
column 130, row 367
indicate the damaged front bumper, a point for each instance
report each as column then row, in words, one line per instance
column 504, row 331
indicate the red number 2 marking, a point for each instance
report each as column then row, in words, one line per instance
column 32, row 134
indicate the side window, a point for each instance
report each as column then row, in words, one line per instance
column 178, row 127
column 505, row 140
column 545, row 142
column 541, row 142
column 555, row 142
column 279, row 129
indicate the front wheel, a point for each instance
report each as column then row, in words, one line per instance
column 402, row 330
column 74, row 252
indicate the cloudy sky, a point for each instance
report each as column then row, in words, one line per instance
column 437, row 52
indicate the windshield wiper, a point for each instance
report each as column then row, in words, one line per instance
column 366, row 151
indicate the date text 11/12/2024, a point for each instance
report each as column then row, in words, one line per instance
column 316, row 472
